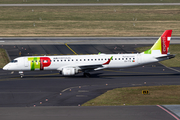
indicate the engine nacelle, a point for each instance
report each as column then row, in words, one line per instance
column 68, row 71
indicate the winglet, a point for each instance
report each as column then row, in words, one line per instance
column 106, row 63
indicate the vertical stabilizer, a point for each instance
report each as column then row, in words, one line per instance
column 162, row 44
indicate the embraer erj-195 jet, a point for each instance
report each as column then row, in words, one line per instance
column 69, row 65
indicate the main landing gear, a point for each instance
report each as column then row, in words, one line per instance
column 87, row 75
column 21, row 74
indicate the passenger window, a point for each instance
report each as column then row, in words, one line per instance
column 58, row 60
column 95, row 59
column 76, row 59
column 115, row 58
column 54, row 60
column 119, row 59
column 130, row 58
column 91, row 59
column 98, row 59
column 80, row 59
column 84, row 59
column 68, row 60
column 122, row 58
column 126, row 58
column 72, row 59
column 88, row 59
column 64, row 60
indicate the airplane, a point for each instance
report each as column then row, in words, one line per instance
column 69, row 65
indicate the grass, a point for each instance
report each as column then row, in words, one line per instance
column 86, row 1
column 89, row 21
column 159, row 95
column 173, row 49
column 3, row 58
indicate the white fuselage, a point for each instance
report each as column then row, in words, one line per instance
column 79, row 61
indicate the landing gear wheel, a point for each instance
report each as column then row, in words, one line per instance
column 21, row 74
column 87, row 75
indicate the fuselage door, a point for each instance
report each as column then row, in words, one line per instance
column 26, row 62
column 139, row 58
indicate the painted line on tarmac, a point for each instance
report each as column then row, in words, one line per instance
column 32, row 76
column 170, row 68
column 2, row 41
column 71, row 49
column 135, row 72
column 173, row 69
column 81, row 96
column 45, row 74
column 69, row 88
column 168, row 112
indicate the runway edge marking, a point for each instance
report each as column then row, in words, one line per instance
column 168, row 112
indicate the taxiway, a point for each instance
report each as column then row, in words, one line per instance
column 39, row 91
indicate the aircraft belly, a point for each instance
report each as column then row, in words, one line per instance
column 122, row 64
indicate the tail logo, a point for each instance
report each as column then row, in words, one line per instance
column 162, row 44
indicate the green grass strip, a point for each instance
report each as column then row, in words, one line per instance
column 159, row 95
column 3, row 58
column 89, row 21
column 85, row 1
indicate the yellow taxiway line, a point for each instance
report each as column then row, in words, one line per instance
column 71, row 49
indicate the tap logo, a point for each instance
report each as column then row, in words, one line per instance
column 38, row 63
column 163, row 45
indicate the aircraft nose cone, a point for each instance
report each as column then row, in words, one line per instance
column 5, row 67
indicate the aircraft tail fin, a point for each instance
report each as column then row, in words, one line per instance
column 162, row 44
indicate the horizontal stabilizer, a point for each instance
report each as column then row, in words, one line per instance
column 168, row 57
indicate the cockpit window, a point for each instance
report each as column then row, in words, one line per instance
column 14, row 61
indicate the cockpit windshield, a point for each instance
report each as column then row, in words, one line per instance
column 14, row 61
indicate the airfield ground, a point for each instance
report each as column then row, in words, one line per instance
column 89, row 21
column 159, row 95
column 85, row 1
column 23, row 94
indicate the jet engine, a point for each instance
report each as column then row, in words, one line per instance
column 68, row 71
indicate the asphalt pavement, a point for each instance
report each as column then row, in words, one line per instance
column 81, row 40
column 34, row 96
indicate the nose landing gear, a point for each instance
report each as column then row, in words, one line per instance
column 21, row 74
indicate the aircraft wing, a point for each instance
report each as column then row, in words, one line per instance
column 88, row 67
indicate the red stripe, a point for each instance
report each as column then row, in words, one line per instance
column 168, row 112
